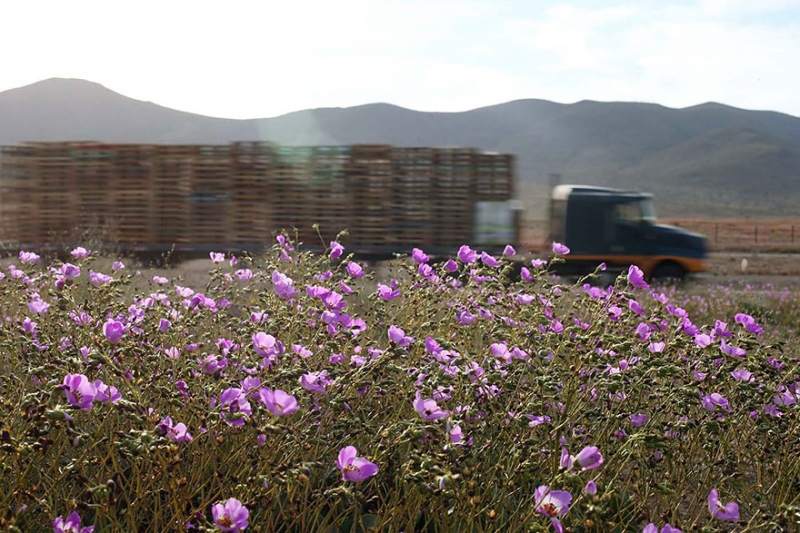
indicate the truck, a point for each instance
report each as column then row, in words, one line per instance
column 619, row 228
column 193, row 199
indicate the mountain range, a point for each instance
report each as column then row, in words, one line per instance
column 700, row 161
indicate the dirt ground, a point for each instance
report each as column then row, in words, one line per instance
column 754, row 264
column 727, row 267
column 779, row 269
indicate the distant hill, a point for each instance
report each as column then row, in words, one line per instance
column 706, row 160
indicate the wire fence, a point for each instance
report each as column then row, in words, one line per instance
column 722, row 235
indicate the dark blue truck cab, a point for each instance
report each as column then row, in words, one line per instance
column 619, row 228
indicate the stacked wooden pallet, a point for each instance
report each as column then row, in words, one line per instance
column 327, row 203
column 130, row 204
column 413, row 196
column 369, row 188
column 253, row 211
column 173, row 169
column 494, row 176
column 240, row 194
column 454, row 193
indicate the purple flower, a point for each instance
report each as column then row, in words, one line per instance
column 467, row 254
column 652, row 528
column 591, row 488
column 399, row 337
column 315, row 381
column 80, row 253
column 28, row 257
column 419, row 256
column 284, row 285
column 429, row 409
column 589, row 458
column 509, row 250
column 217, row 257
column 537, row 420
column 702, row 340
column 465, row 318
column 688, row 328
column 500, row 351
column 427, row 272
column 450, row 266
column 785, row 397
column 234, row 407
column 264, row 344
column 113, row 331
column 488, row 260
column 729, row 512
column 232, row 516
column 354, row 468
column 732, row 351
column 69, row 272
column 742, row 375
column 38, row 307
column 174, row 432
column 160, row 280
column 456, row 435
column 656, row 347
column 164, row 325
column 636, row 277
column 678, row 312
column 560, row 249
column 345, row 287
column 638, row 420
column 278, row 402
column 301, row 350
column 643, row 331
column 250, row 383
column 336, row 250
column 748, row 322
column 244, row 274
column 29, row 326
column 211, row 364
column 432, row 346
column 355, row 270
column 80, row 392
column 71, row 525
column 98, row 279
column 387, row 293
column 712, row 401
column 106, row 393
column 552, row 504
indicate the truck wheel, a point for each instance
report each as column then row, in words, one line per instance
column 669, row 271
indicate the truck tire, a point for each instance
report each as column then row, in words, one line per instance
column 668, row 271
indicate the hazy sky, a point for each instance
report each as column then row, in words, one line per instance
column 248, row 59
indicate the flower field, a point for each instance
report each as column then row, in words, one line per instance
column 296, row 392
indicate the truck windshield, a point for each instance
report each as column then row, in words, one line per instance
column 648, row 211
column 635, row 212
